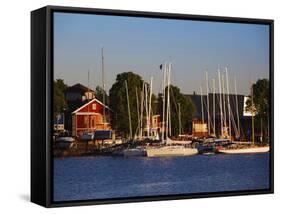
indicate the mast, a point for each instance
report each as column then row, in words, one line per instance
column 228, row 101
column 214, row 107
column 88, row 128
column 141, row 116
column 202, row 107
column 163, row 97
column 221, row 116
column 223, row 96
column 179, row 104
column 261, row 131
column 103, row 87
column 237, row 111
column 129, row 112
column 146, row 107
column 138, row 113
column 170, row 123
column 149, row 108
column 253, row 123
column 168, row 101
column 208, row 105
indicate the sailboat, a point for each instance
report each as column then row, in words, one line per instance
column 240, row 147
column 137, row 151
column 180, row 142
column 207, row 144
column 246, row 150
column 170, row 148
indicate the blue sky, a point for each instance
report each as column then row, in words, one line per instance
column 142, row 44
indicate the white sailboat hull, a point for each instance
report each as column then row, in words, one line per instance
column 263, row 149
column 181, row 142
column 170, row 151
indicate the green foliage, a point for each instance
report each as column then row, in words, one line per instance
column 59, row 99
column 99, row 95
column 261, row 104
column 118, row 101
column 261, row 98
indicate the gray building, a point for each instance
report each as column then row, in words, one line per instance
column 214, row 104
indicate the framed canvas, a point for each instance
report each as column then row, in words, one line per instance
column 131, row 106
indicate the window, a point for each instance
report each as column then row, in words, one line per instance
column 86, row 120
column 94, row 106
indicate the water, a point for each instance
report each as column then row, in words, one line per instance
column 85, row 178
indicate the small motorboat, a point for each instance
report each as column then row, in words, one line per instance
column 64, row 142
column 138, row 151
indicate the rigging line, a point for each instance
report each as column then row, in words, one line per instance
column 174, row 101
column 233, row 123
column 205, row 104
column 220, row 109
column 233, row 120
column 176, row 107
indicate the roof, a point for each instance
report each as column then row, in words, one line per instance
column 91, row 101
column 78, row 88
column 73, row 105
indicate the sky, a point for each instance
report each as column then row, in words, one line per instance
column 142, row 44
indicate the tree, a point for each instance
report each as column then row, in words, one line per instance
column 261, row 102
column 118, row 101
column 187, row 109
column 261, row 98
column 99, row 95
column 59, row 99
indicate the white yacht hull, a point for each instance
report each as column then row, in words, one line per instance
column 263, row 149
column 170, row 151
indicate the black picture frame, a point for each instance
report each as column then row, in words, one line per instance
column 41, row 103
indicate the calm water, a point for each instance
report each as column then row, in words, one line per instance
column 110, row 177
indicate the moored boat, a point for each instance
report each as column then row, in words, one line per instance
column 64, row 142
column 178, row 142
column 138, row 151
column 206, row 149
column 247, row 150
column 171, row 151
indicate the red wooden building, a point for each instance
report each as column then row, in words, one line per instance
column 89, row 118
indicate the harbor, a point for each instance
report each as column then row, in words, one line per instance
column 153, row 127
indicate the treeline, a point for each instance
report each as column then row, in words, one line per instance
column 59, row 102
